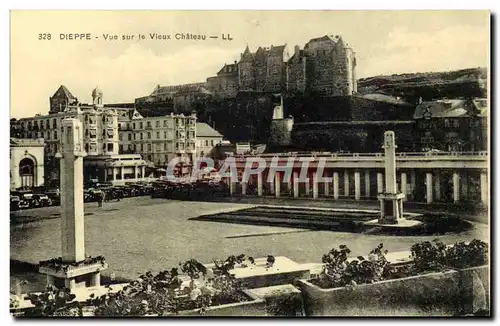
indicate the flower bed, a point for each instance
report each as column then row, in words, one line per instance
column 58, row 265
column 187, row 290
column 439, row 280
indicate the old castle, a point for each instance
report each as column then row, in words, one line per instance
column 326, row 66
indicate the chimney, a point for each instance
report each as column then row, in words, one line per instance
column 235, row 62
column 297, row 49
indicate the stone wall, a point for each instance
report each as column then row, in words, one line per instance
column 431, row 294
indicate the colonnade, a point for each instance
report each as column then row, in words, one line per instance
column 434, row 185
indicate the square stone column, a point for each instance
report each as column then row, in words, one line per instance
column 357, row 185
column 367, row 184
column 295, row 184
column 404, row 183
column 326, row 188
column 335, row 185
column 456, row 187
column 346, row 183
column 315, row 185
column 380, row 182
column 307, row 185
column 277, row 184
column 437, row 181
column 428, row 186
column 259, row 184
column 484, row 187
column 243, row 188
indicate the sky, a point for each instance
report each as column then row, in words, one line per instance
column 385, row 42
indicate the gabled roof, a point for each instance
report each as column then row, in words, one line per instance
column 277, row 49
column 204, row 130
column 66, row 92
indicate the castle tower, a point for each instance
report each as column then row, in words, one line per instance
column 97, row 96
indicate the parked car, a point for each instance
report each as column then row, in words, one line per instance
column 14, row 202
column 25, row 198
column 41, row 200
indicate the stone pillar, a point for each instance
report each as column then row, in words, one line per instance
column 464, row 186
column 357, row 185
column 271, row 184
column 295, row 184
column 315, row 185
column 484, row 187
column 307, row 185
column 437, row 182
column 259, row 184
column 335, row 185
column 231, row 186
column 326, row 188
column 243, row 188
column 403, row 183
column 122, row 171
column 70, row 283
column 367, row 184
column 72, row 215
column 413, row 183
column 380, row 182
column 136, row 172
column 346, row 183
column 456, row 187
column 95, row 280
column 105, row 174
column 143, row 171
column 277, row 184
column 428, row 186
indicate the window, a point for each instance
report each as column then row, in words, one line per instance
column 140, row 125
column 206, row 142
column 149, row 124
column 93, row 133
column 129, row 136
column 55, row 134
column 120, row 136
column 110, row 147
column 164, row 146
column 165, row 134
column 158, row 124
column 213, row 142
column 157, row 133
column 456, row 123
column 54, row 123
column 142, row 147
column 446, row 123
column 110, row 133
column 120, row 148
column 133, row 125
column 149, row 135
column 149, row 147
column 165, row 123
column 142, row 136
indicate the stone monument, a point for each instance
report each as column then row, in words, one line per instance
column 391, row 202
column 73, row 269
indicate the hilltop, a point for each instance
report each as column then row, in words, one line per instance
column 464, row 82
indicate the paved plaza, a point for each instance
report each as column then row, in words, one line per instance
column 140, row 234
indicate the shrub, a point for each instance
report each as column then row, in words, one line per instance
column 463, row 255
column 428, row 256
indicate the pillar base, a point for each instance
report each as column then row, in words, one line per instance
column 391, row 207
column 73, row 275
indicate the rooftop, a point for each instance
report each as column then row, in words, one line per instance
column 204, row 130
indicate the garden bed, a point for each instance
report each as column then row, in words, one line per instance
column 438, row 280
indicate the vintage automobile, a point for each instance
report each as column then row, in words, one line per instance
column 14, row 202
column 54, row 196
column 25, row 198
column 41, row 200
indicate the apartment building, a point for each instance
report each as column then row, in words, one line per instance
column 158, row 139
